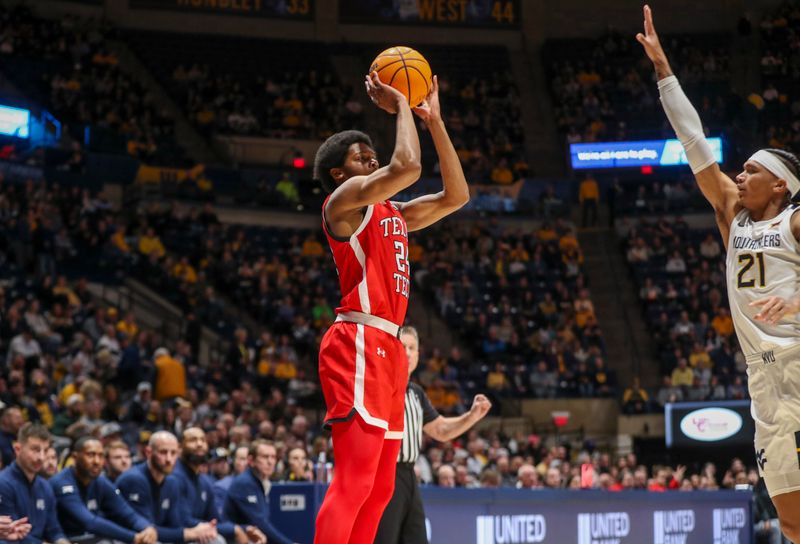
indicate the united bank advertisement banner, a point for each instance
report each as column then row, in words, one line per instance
column 514, row 516
column 587, row 517
column 634, row 154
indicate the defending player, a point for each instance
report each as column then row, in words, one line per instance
column 362, row 364
column 760, row 229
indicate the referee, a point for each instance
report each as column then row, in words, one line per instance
column 403, row 520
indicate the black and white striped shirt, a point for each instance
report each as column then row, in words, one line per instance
column 418, row 412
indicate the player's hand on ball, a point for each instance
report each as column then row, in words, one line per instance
column 481, row 406
column 384, row 96
column 650, row 39
column 429, row 110
column 772, row 309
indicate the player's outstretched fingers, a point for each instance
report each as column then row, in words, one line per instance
column 771, row 309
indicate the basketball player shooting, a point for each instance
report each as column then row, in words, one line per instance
column 362, row 363
column 760, row 229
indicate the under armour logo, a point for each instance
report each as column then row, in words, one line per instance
column 382, row 353
column 760, row 459
column 768, row 357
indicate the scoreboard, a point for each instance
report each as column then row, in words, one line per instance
column 301, row 10
column 496, row 14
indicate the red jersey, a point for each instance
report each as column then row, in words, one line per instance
column 373, row 264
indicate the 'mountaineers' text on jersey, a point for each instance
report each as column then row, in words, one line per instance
column 762, row 261
column 373, row 264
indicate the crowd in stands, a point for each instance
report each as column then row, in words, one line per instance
column 681, row 279
column 68, row 65
column 520, row 302
column 604, row 89
column 485, row 123
column 242, row 86
column 778, row 102
column 289, row 105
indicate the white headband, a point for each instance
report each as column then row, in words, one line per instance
column 777, row 167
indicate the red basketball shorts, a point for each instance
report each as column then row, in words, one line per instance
column 363, row 370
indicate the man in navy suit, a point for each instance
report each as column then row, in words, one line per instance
column 154, row 493
column 23, row 493
column 89, row 503
column 247, row 502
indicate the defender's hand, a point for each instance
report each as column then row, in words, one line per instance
column 649, row 40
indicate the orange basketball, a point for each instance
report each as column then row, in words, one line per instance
column 406, row 70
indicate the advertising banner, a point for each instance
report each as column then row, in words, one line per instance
column 634, row 154
column 704, row 424
column 514, row 516
column 587, row 517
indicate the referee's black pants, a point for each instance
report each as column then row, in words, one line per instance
column 403, row 521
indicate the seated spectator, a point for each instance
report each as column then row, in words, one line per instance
column 25, row 494
column 11, row 421
column 635, row 400
column 154, row 493
column 682, row 376
column 668, row 392
column 50, row 467
column 150, row 243
column 247, row 502
column 298, row 467
column 88, row 502
column 197, row 494
column 117, row 460
column 240, row 463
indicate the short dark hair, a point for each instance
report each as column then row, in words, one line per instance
column 792, row 163
column 82, row 441
column 33, row 430
column 332, row 154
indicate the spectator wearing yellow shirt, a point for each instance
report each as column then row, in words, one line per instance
column 635, row 400
column 699, row 358
column 184, row 271
column 722, row 323
column 170, row 376
column 118, row 241
column 502, row 174
column 285, row 370
column 287, row 189
column 584, row 308
column 519, row 253
column 568, row 242
column 546, row 233
column 682, row 376
column 63, row 290
column 151, row 243
column 312, row 247
column 589, row 197
column 128, row 325
column 497, row 380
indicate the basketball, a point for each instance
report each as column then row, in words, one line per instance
column 406, row 70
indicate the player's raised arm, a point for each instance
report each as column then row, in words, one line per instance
column 402, row 171
column 718, row 188
column 428, row 209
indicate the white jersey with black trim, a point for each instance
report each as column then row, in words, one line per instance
column 763, row 260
